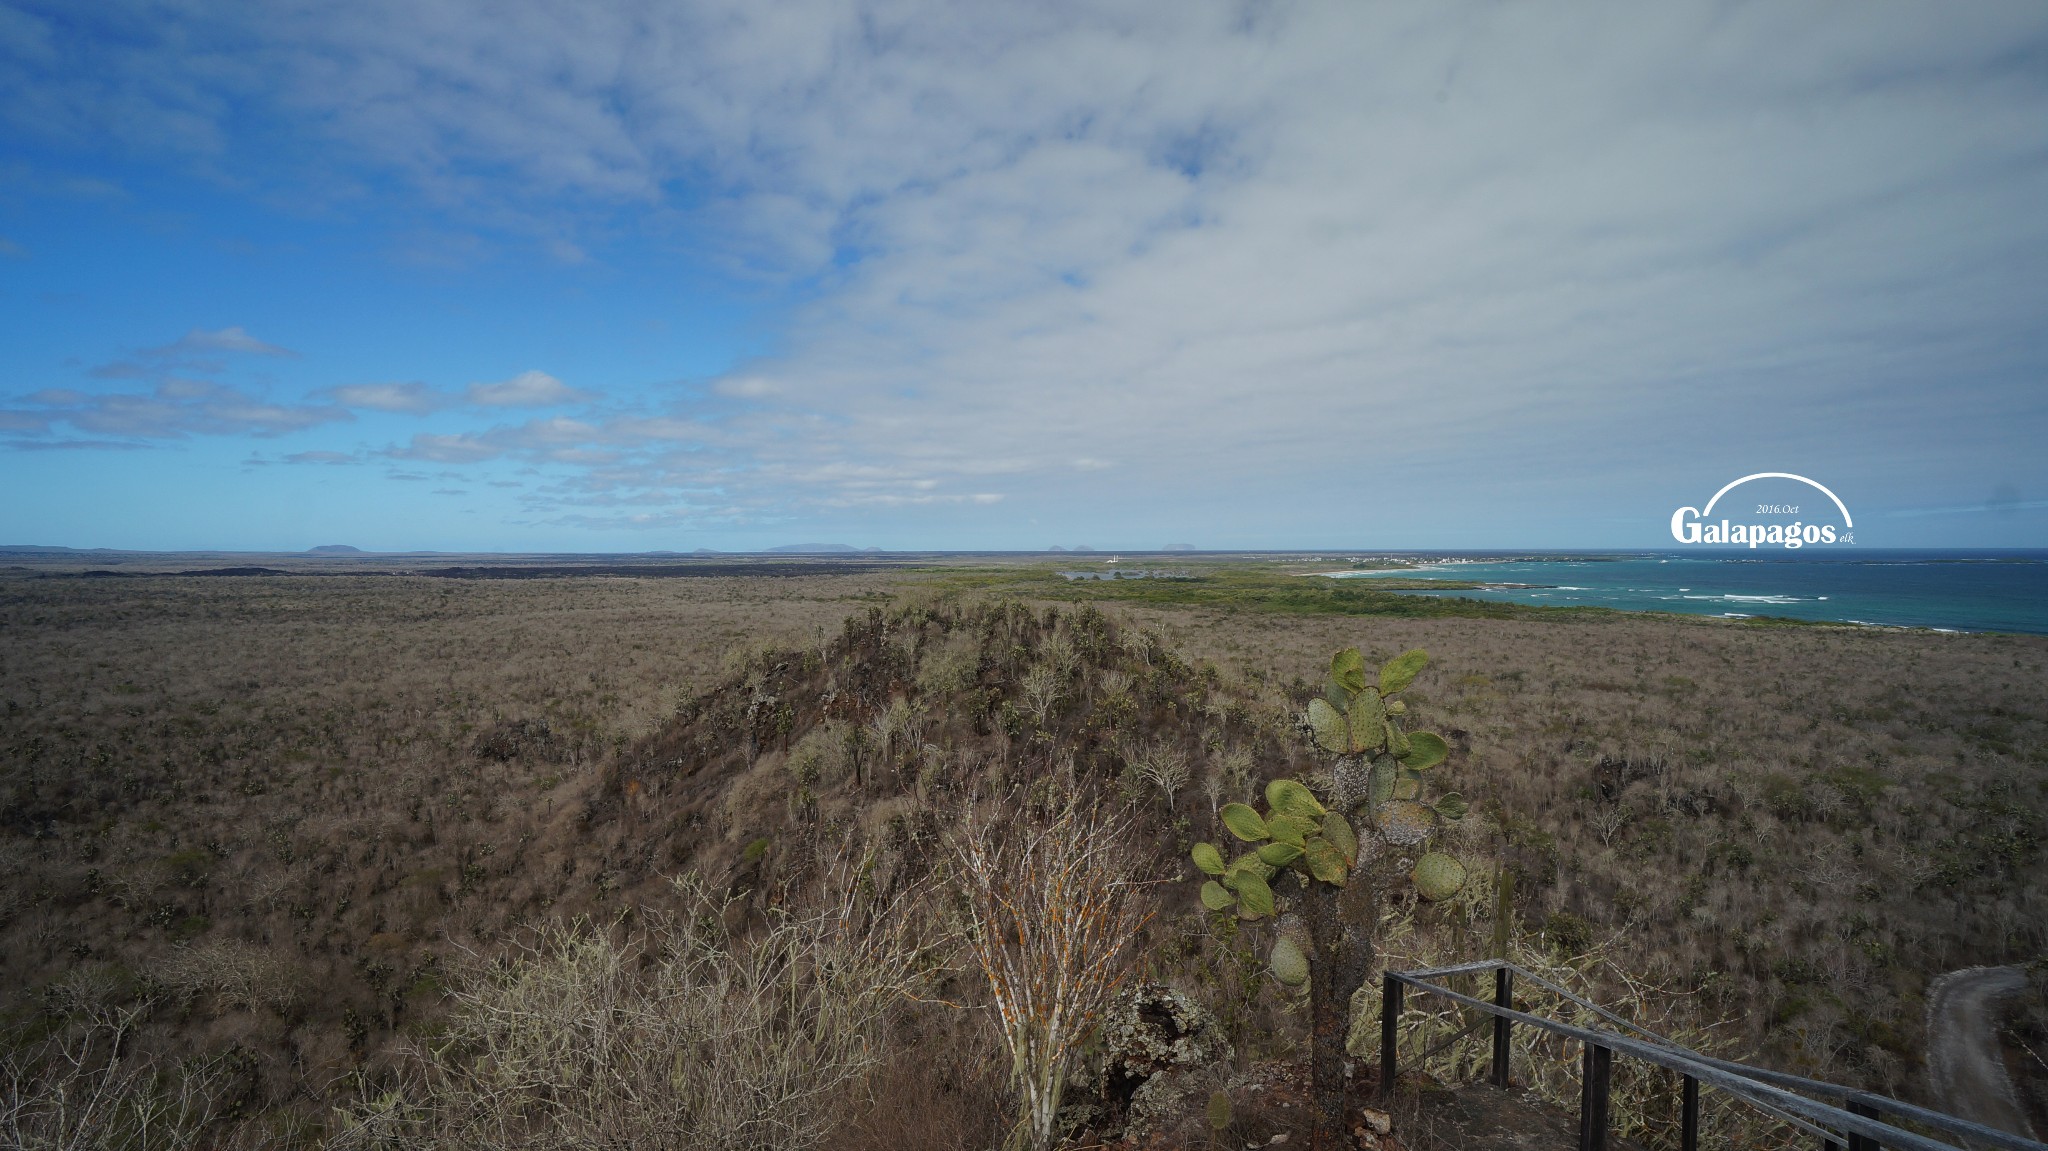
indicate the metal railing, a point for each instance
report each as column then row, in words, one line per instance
column 1858, row 1124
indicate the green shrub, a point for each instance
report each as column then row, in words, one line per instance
column 1567, row 934
column 1786, row 797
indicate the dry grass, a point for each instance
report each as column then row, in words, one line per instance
column 685, row 1029
column 216, row 789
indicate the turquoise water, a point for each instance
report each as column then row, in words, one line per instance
column 1955, row 591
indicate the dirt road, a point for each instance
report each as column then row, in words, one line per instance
column 1964, row 1066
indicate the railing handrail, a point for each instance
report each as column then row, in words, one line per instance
column 1763, row 1088
column 1886, row 1103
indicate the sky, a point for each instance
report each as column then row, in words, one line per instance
column 516, row 276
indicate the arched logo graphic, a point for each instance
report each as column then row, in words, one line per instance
column 1690, row 525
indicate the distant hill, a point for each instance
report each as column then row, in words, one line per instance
column 819, row 549
column 1083, row 548
column 335, row 550
column 1178, row 548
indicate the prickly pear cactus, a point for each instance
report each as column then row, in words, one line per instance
column 1378, row 783
column 1379, row 818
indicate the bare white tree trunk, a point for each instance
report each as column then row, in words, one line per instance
column 1054, row 920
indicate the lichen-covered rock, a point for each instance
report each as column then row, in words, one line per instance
column 1151, row 1028
column 1168, row 1102
column 1080, row 1116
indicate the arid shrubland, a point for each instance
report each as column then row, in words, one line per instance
column 1806, row 824
column 241, row 974
column 680, row 1031
column 358, row 779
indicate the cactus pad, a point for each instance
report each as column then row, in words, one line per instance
column 1208, row 858
column 1291, row 829
column 1350, row 782
column 1249, row 861
column 1405, row 822
column 1452, row 806
column 1325, row 862
column 1289, row 965
column 1244, row 822
column 1254, row 898
column 1289, row 798
column 1426, row 749
column 1347, row 668
column 1397, row 673
column 1279, row 854
column 1368, row 721
column 1333, row 734
column 1217, row 898
column 1337, row 830
column 1383, row 778
column 1438, row 876
column 1217, row 1113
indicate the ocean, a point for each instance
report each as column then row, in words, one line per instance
column 1944, row 590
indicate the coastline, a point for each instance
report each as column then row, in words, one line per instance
column 1987, row 593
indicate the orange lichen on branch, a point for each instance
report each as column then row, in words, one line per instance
column 1053, row 926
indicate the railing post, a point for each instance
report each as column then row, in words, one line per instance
column 1503, row 996
column 1593, row 1095
column 1862, row 1142
column 1390, row 1033
column 1689, row 1116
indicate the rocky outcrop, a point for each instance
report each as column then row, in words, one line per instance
column 1160, row 1048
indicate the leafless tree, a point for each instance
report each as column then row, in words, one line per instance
column 1608, row 822
column 1164, row 766
column 1234, row 767
column 1138, row 641
column 1114, row 682
column 1053, row 924
column 1042, row 685
column 1058, row 651
column 77, row 1091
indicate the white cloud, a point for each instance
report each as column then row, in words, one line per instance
column 412, row 397
column 447, row 449
column 525, row 390
column 1235, row 249
column 177, row 408
column 745, row 387
column 233, row 339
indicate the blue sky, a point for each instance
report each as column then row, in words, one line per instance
column 627, row 276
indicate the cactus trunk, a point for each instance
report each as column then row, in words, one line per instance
column 1342, row 927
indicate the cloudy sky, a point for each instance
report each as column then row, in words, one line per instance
column 638, row 276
